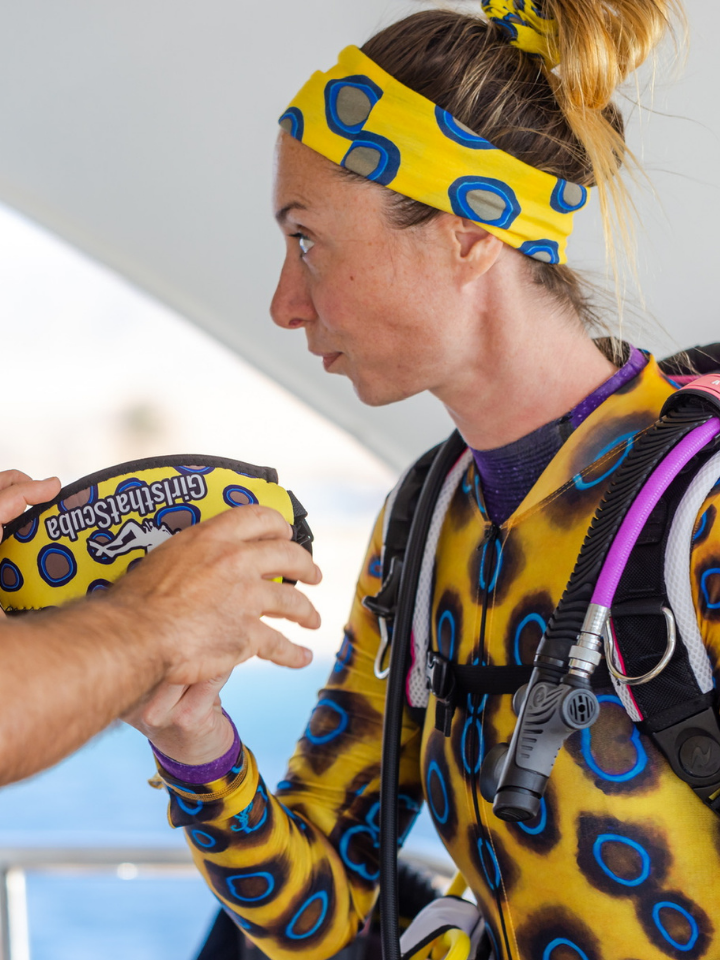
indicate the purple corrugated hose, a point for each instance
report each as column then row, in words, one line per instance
column 636, row 517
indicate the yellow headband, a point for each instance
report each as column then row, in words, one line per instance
column 360, row 117
column 526, row 27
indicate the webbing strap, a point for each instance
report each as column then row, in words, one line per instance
column 450, row 681
column 507, row 679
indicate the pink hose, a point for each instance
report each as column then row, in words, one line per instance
column 636, row 517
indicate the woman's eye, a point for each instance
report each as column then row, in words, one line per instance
column 305, row 243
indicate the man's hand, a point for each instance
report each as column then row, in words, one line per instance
column 18, row 491
column 185, row 723
column 197, row 599
column 183, row 716
column 184, row 617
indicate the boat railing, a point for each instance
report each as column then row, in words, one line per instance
column 126, row 863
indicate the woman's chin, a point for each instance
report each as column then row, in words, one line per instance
column 378, row 394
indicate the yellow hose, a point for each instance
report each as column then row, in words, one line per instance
column 452, row 945
column 458, row 886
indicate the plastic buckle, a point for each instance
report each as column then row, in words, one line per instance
column 384, row 606
column 384, row 603
column 302, row 534
column 706, row 389
column 692, row 747
column 441, row 681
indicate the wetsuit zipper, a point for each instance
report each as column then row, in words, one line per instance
column 487, row 577
column 488, row 565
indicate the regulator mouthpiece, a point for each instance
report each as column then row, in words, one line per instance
column 552, row 707
column 550, row 712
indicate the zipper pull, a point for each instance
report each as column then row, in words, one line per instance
column 492, row 532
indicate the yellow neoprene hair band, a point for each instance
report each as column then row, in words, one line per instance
column 360, row 117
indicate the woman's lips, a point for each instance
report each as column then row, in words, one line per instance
column 329, row 359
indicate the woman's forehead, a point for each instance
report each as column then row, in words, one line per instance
column 306, row 179
column 297, row 167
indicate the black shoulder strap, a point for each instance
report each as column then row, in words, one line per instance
column 639, row 623
column 696, row 360
column 678, row 716
column 402, row 505
column 420, row 510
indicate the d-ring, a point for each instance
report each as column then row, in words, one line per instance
column 611, row 652
column 382, row 672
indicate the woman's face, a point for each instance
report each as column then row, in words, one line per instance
column 386, row 307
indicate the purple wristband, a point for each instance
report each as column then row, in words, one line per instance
column 202, row 772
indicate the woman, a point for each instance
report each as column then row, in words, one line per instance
column 447, row 274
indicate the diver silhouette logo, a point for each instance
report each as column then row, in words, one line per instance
column 131, row 536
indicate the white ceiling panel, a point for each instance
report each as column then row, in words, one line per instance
column 142, row 132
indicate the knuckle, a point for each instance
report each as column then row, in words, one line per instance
column 253, row 512
column 150, row 719
column 272, row 641
column 185, row 722
column 294, row 554
column 284, row 550
column 14, row 476
column 297, row 600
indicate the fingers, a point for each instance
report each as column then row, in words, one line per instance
column 20, row 491
column 275, row 646
column 276, row 558
column 281, row 600
column 200, row 696
column 182, row 705
column 39, row 491
column 11, row 478
column 250, row 522
column 258, row 539
column 206, row 590
column 153, row 711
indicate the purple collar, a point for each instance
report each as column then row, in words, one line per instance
column 628, row 371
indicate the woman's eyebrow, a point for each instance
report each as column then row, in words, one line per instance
column 282, row 214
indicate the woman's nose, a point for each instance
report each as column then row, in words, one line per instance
column 292, row 305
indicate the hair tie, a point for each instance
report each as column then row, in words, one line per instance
column 526, row 27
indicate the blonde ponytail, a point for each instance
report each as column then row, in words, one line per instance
column 599, row 44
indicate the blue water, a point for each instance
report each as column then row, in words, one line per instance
column 100, row 796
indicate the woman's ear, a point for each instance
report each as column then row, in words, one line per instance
column 476, row 250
